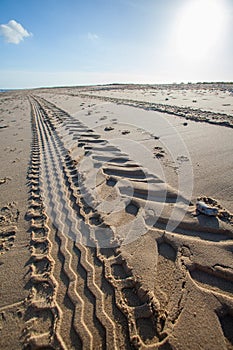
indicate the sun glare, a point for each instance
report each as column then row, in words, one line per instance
column 199, row 28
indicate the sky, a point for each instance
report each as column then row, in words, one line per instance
column 83, row 42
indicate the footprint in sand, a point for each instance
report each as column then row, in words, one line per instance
column 7, row 237
column 9, row 215
column 108, row 128
column 103, row 118
column 4, row 180
column 125, row 132
column 182, row 159
column 159, row 152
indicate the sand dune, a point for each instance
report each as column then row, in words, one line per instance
column 117, row 257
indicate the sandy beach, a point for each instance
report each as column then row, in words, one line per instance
column 101, row 244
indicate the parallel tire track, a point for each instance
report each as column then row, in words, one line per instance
column 41, row 302
column 67, row 206
column 59, row 205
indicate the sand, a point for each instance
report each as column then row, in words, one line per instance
column 101, row 245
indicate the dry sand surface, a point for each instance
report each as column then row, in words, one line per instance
column 101, row 245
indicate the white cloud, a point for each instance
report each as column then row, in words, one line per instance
column 13, row 32
column 92, row 36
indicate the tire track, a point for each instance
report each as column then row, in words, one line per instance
column 197, row 115
column 151, row 319
column 92, row 287
column 57, row 210
column 41, row 303
column 144, row 311
column 68, row 256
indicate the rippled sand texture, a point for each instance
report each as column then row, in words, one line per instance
column 99, row 249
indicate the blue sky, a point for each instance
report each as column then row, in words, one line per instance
column 54, row 42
